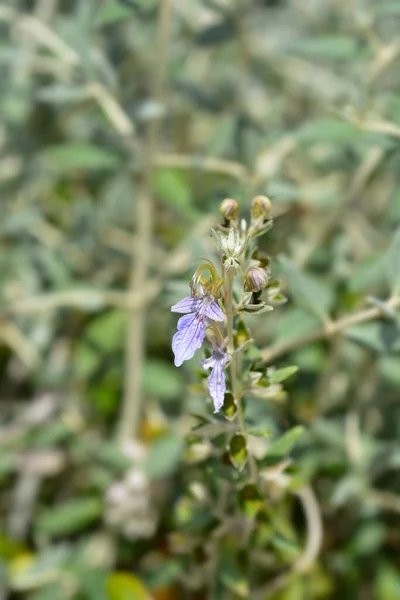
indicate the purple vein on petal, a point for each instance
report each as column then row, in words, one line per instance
column 189, row 337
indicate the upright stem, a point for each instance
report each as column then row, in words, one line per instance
column 135, row 341
column 233, row 368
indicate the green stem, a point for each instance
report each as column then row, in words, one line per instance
column 234, row 371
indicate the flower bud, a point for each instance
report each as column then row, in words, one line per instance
column 256, row 279
column 260, row 207
column 229, row 209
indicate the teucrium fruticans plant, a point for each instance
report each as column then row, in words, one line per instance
column 214, row 315
column 213, row 310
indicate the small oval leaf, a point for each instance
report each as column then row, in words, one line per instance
column 238, row 451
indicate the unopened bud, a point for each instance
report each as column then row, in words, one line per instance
column 229, row 209
column 260, row 207
column 256, row 280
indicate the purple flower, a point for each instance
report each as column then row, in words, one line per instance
column 192, row 327
column 189, row 337
column 216, row 379
column 202, row 305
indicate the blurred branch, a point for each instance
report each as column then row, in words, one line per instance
column 314, row 535
column 111, row 108
column 243, row 55
column 40, row 32
column 11, row 336
column 384, row 500
column 313, row 517
column 385, row 57
column 202, row 163
column 330, row 330
column 83, row 299
column 373, row 125
column 357, row 184
column 135, row 341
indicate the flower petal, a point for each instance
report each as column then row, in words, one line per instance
column 208, row 363
column 217, row 385
column 216, row 379
column 189, row 337
column 187, row 305
column 214, row 312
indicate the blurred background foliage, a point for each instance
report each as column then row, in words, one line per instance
column 295, row 99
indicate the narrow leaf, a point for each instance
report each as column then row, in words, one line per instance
column 238, row 451
column 282, row 447
column 308, row 292
column 282, row 374
column 393, row 263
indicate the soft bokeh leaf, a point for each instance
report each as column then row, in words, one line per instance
column 282, row 374
column 308, row 292
column 328, row 47
column 79, row 156
column 164, row 456
column 70, row 517
column 124, row 586
column 393, row 264
column 238, row 451
column 280, row 449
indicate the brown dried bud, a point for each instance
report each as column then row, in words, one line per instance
column 256, row 279
column 229, row 209
column 260, row 207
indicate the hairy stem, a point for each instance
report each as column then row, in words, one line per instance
column 233, row 368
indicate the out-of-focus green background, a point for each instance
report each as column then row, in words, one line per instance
column 115, row 151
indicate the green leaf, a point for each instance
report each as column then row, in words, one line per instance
column 281, row 374
column 161, row 380
column 250, row 500
column 329, row 47
column 164, row 456
column 308, row 292
column 258, row 431
column 368, row 274
column 381, row 337
column 106, row 331
column 238, row 451
column 60, row 93
column 334, row 131
column 388, row 7
column 393, row 264
column 174, row 190
column 70, row 517
column 229, row 408
column 280, row 449
column 387, row 585
column 112, row 12
column 28, row 571
column 79, row 156
column 124, row 586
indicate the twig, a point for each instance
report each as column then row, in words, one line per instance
column 41, row 33
column 111, row 108
column 357, row 184
column 314, row 536
column 83, row 299
column 313, row 517
column 384, row 500
column 332, row 329
column 11, row 336
column 386, row 55
column 135, row 342
column 211, row 164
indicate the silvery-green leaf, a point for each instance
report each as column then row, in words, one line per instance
column 308, row 292
column 393, row 263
